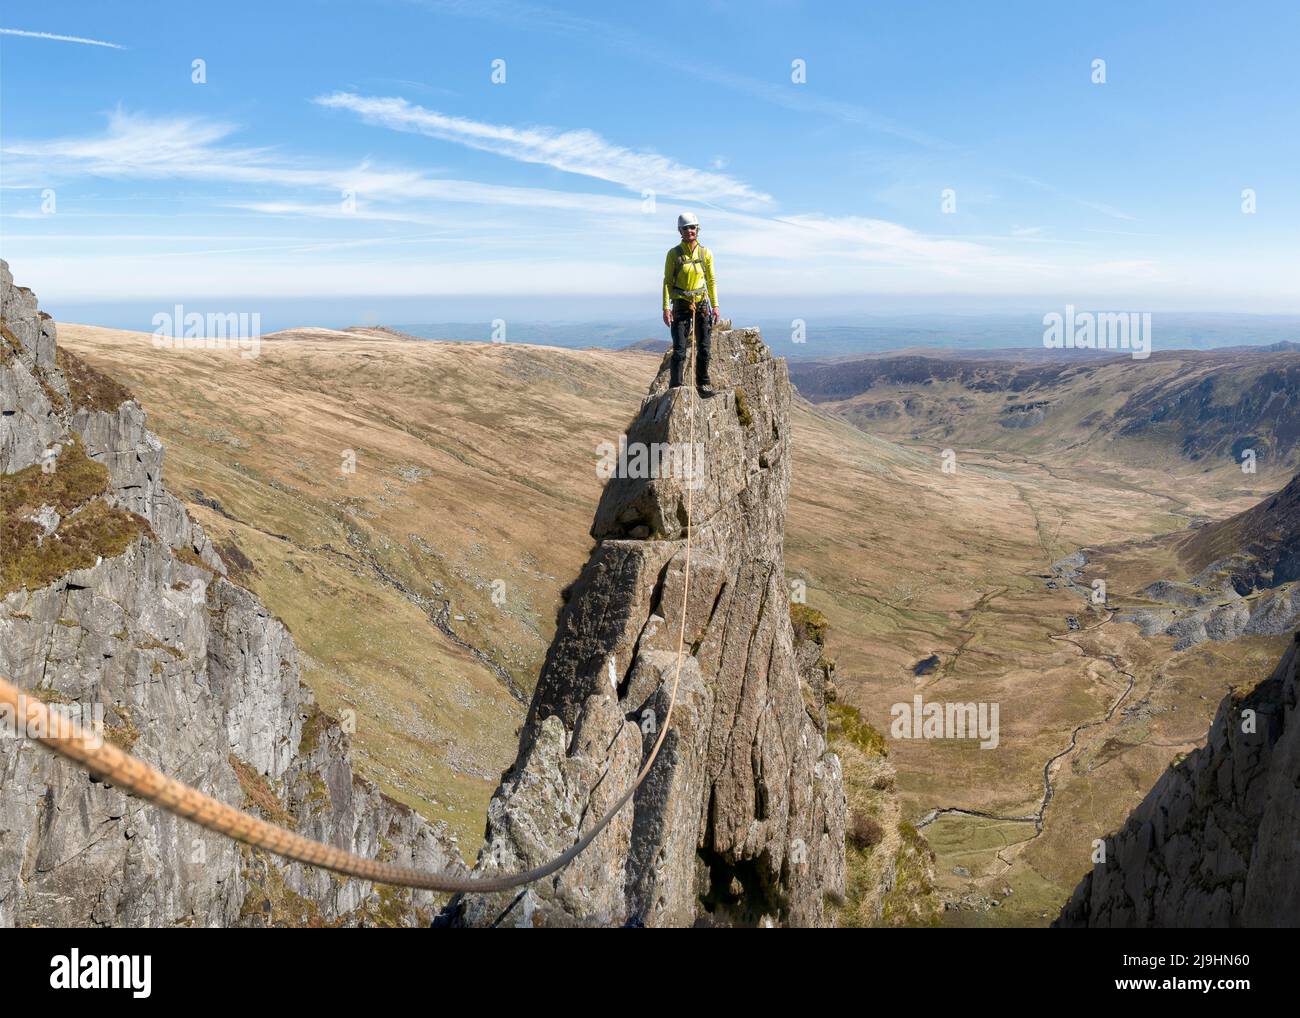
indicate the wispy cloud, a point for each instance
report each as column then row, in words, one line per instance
column 582, row 151
column 499, row 248
column 60, row 38
column 803, row 99
column 800, row 98
column 806, row 247
column 1119, row 233
column 1096, row 206
column 196, row 148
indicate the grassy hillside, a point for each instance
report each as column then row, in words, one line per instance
column 475, row 463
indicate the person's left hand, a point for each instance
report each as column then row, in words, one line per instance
column 716, row 314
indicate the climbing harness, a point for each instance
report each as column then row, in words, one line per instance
column 694, row 259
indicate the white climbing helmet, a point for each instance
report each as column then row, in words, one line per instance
column 687, row 219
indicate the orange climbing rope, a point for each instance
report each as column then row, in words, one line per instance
column 68, row 739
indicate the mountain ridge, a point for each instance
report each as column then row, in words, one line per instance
column 121, row 603
column 1206, row 407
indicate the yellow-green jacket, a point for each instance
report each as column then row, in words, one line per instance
column 688, row 273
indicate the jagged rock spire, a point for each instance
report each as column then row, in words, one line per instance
column 741, row 820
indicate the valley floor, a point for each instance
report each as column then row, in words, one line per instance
column 959, row 566
column 412, row 510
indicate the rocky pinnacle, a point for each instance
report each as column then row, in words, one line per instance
column 741, row 819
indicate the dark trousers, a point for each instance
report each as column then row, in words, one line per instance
column 703, row 340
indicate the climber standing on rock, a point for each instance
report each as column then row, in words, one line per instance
column 690, row 297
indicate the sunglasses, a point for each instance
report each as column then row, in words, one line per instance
column 690, row 229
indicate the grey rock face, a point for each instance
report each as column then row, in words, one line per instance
column 1253, row 590
column 193, row 675
column 134, row 458
column 1217, row 840
column 1207, row 613
column 741, row 820
column 28, row 422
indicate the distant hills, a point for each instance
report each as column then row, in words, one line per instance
column 648, row 346
column 805, row 335
column 1219, row 408
column 799, row 331
column 1267, row 537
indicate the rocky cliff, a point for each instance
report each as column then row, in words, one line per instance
column 111, row 596
column 741, row 820
column 1217, row 840
column 1246, row 582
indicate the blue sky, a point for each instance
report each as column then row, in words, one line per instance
column 363, row 150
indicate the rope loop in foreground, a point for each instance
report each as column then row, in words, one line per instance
column 88, row 750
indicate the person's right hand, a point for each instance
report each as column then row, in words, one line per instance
column 668, row 318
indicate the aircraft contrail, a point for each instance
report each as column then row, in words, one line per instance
column 60, row 38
